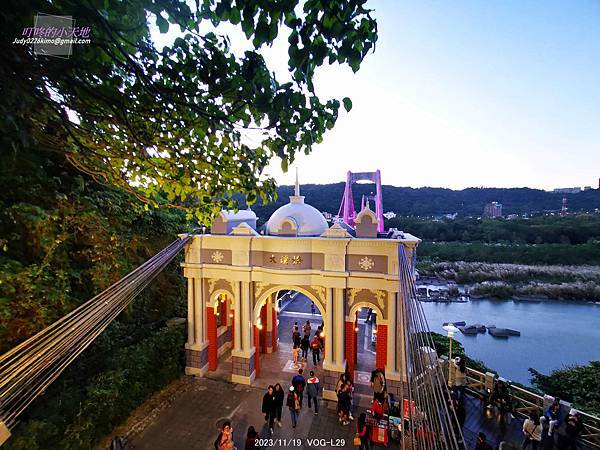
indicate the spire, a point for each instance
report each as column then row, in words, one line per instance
column 296, row 198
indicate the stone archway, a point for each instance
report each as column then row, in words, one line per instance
column 265, row 316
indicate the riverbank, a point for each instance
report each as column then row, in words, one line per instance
column 526, row 282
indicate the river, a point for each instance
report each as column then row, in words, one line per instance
column 553, row 334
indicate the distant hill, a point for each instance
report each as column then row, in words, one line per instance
column 433, row 201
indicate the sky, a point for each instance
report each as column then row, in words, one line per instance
column 465, row 94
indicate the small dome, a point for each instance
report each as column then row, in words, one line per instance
column 308, row 220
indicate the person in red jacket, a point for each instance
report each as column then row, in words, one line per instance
column 362, row 430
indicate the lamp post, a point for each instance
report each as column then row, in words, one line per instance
column 450, row 329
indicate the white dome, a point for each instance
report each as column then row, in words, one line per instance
column 308, row 220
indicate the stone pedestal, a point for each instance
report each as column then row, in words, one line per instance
column 243, row 367
column 196, row 357
column 330, row 377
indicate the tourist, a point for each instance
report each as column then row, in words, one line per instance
column 225, row 439
column 344, row 405
column 313, row 387
column 553, row 415
column 350, row 389
column 315, row 347
column 501, row 398
column 340, row 383
column 378, row 385
column 460, row 376
column 279, row 395
column 295, row 333
column 269, row 407
column 313, row 309
column 299, row 383
column 458, row 405
column 304, row 345
column 321, row 335
column 307, row 329
column 567, row 440
column 482, row 442
column 251, row 438
column 295, row 355
column 294, row 405
column 532, row 429
column 362, row 432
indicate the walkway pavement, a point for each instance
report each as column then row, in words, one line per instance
column 194, row 408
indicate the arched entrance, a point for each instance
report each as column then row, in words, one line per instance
column 365, row 351
column 273, row 321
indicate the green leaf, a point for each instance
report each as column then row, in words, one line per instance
column 347, row 104
column 162, row 24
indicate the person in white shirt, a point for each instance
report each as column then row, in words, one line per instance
column 532, row 429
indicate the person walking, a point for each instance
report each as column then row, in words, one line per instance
column 350, row 389
column 269, row 407
column 294, row 406
column 315, row 347
column 299, row 383
column 313, row 387
column 304, row 345
column 362, row 432
column 344, row 405
column 378, row 385
column 532, row 429
column 567, row 440
column 225, row 439
column 295, row 355
column 307, row 328
column 460, row 376
column 313, row 309
column 251, row 437
column 279, row 397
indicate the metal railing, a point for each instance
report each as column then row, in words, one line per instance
column 525, row 402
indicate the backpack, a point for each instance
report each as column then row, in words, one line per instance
column 315, row 344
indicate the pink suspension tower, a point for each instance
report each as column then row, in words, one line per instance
column 347, row 212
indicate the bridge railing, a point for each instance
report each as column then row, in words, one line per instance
column 525, row 402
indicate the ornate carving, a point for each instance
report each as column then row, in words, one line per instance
column 320, row 291
column 380, row 296
column 259, row 288
column 352, row 296
column 366, row 263
column 217, row 256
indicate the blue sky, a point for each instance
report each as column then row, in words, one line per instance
column 467, row 93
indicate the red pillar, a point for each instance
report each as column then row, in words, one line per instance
column 211, row 331
column 349, row 347
column 232, row 314
column 274, row 333
column 263, row 332
column 256, row 352
column 381, row 356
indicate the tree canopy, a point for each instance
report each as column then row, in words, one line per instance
column 170, row 124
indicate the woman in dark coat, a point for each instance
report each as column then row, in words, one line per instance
column 279, row 397
column 269, row 407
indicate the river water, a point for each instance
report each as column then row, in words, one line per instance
column 553, row 334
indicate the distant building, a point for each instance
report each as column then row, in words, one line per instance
column 565, row 208
column 587, row 188
column 451, row 216
column 493, row 209
column 512, row 216
column 389, row 215
column 570, row 190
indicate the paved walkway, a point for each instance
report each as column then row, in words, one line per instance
column 193, row 410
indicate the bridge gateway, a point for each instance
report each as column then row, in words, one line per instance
column 234, row 275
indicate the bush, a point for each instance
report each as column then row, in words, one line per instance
column 134, row 374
